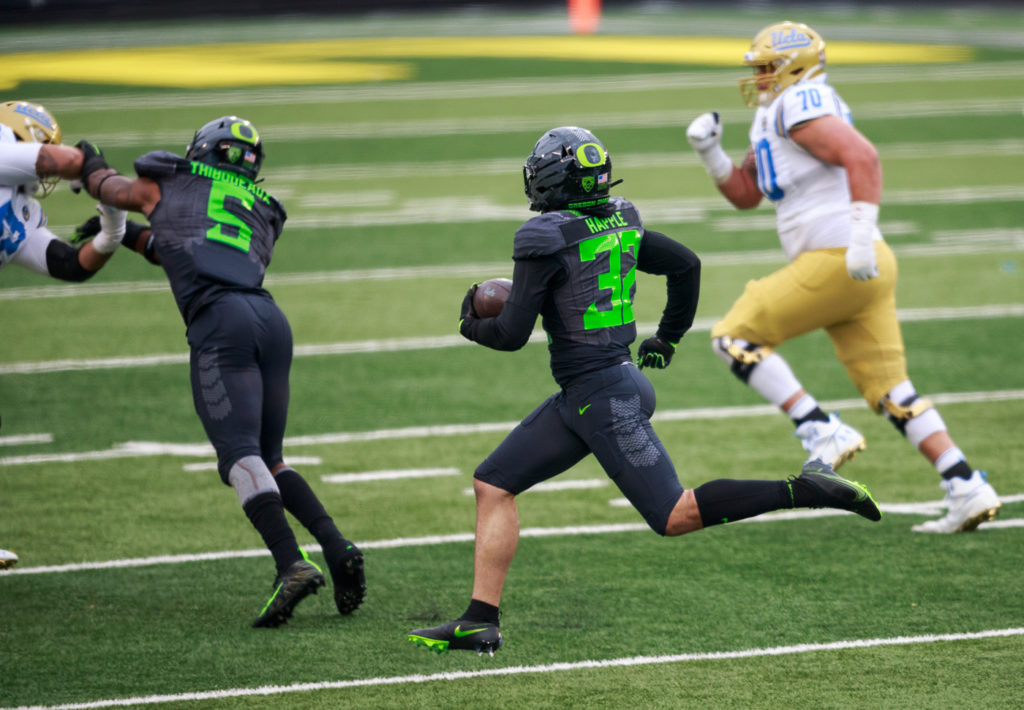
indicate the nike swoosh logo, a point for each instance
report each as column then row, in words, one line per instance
column 583, row 409
column 459, row 633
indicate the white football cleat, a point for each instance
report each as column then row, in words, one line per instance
column 833, row 442
column 970, row 502
column 7, row 559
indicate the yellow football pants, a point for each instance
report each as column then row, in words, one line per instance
column 814, row 291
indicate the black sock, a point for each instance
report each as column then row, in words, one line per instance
column 726, row 500
column 300, row 500
column 266, row 513
column 481, row 612
column 961, row 469
column 815, row 415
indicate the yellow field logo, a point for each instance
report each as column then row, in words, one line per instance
column 379, row 59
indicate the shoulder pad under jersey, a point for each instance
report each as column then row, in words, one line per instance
column 540, row 236
column 160, row 163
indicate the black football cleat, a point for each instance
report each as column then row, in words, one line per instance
column 348, row 579
column 459, row 635
column 831, row 490
column 300, row 580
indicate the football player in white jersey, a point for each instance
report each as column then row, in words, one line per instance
column 825, row 180
column 31, row 163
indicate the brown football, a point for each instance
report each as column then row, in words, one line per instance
column 490, row 297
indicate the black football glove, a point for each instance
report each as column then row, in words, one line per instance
column 655, row 352
column 467, row 312
column 92, row 160
column 86, row 231
column 467, row 304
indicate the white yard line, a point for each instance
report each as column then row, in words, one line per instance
column 19, row 439
column 906, row 315
column 977, row 241
column 392, row 475
column 515, row 87
column 144, row 449
column 546, row 669
column 914, row 508
column 489, row 125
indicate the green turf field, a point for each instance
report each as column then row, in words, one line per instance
column 139, row 575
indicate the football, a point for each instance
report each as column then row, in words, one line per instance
column 490, row 297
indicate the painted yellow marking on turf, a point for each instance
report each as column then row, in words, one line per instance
column 324, row 61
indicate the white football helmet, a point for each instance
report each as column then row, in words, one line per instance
column 32, row 123
column 781, row 55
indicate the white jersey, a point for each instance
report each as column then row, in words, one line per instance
column 23, row 233
column 811, row 197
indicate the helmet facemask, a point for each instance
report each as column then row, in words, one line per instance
column 781, row 55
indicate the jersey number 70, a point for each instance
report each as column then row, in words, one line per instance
column 617, row 280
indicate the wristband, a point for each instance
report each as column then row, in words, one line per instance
column 106, row 243
column 863, row 220
column 717, row 164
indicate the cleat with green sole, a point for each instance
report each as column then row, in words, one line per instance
column 300, row 580
column 459, row 635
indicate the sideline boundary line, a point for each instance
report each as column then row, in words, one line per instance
column 563, row 667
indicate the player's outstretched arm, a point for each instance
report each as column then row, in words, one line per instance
column 111, row 188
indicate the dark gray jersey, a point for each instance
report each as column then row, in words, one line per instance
column 214, row 230
column 588, row 314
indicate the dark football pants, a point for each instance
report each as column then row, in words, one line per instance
column 606, row 413
column 241, row 358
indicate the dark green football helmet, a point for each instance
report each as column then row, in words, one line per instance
column 230, row 143
column 569, row 168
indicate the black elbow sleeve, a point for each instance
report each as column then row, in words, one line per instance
column 62, row 262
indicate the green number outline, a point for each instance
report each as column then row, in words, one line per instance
column 216, row 210
column 615, row 244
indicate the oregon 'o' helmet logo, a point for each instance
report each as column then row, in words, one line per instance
column 569, row 168
column 230, row 143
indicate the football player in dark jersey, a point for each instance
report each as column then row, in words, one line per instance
column 575, row 266
column 213, row 230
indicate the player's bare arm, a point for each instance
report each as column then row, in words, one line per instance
column 740, row 188
column 61, row 160
column 111, row 188
column 834, row 141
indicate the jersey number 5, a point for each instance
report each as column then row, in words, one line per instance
column 620, row 284
column 218, row 212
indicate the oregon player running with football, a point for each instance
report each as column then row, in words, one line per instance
column 214, row 231
column 825, row 181
column 575, row 266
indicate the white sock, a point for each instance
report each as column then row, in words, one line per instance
column 773, row 380
column 948, row 459
column 804, row 406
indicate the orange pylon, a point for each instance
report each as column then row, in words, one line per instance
column 584, row 16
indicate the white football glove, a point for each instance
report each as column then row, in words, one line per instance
column 705, row 135
column 860, row 254
column 705, row 132
column 112, row 226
